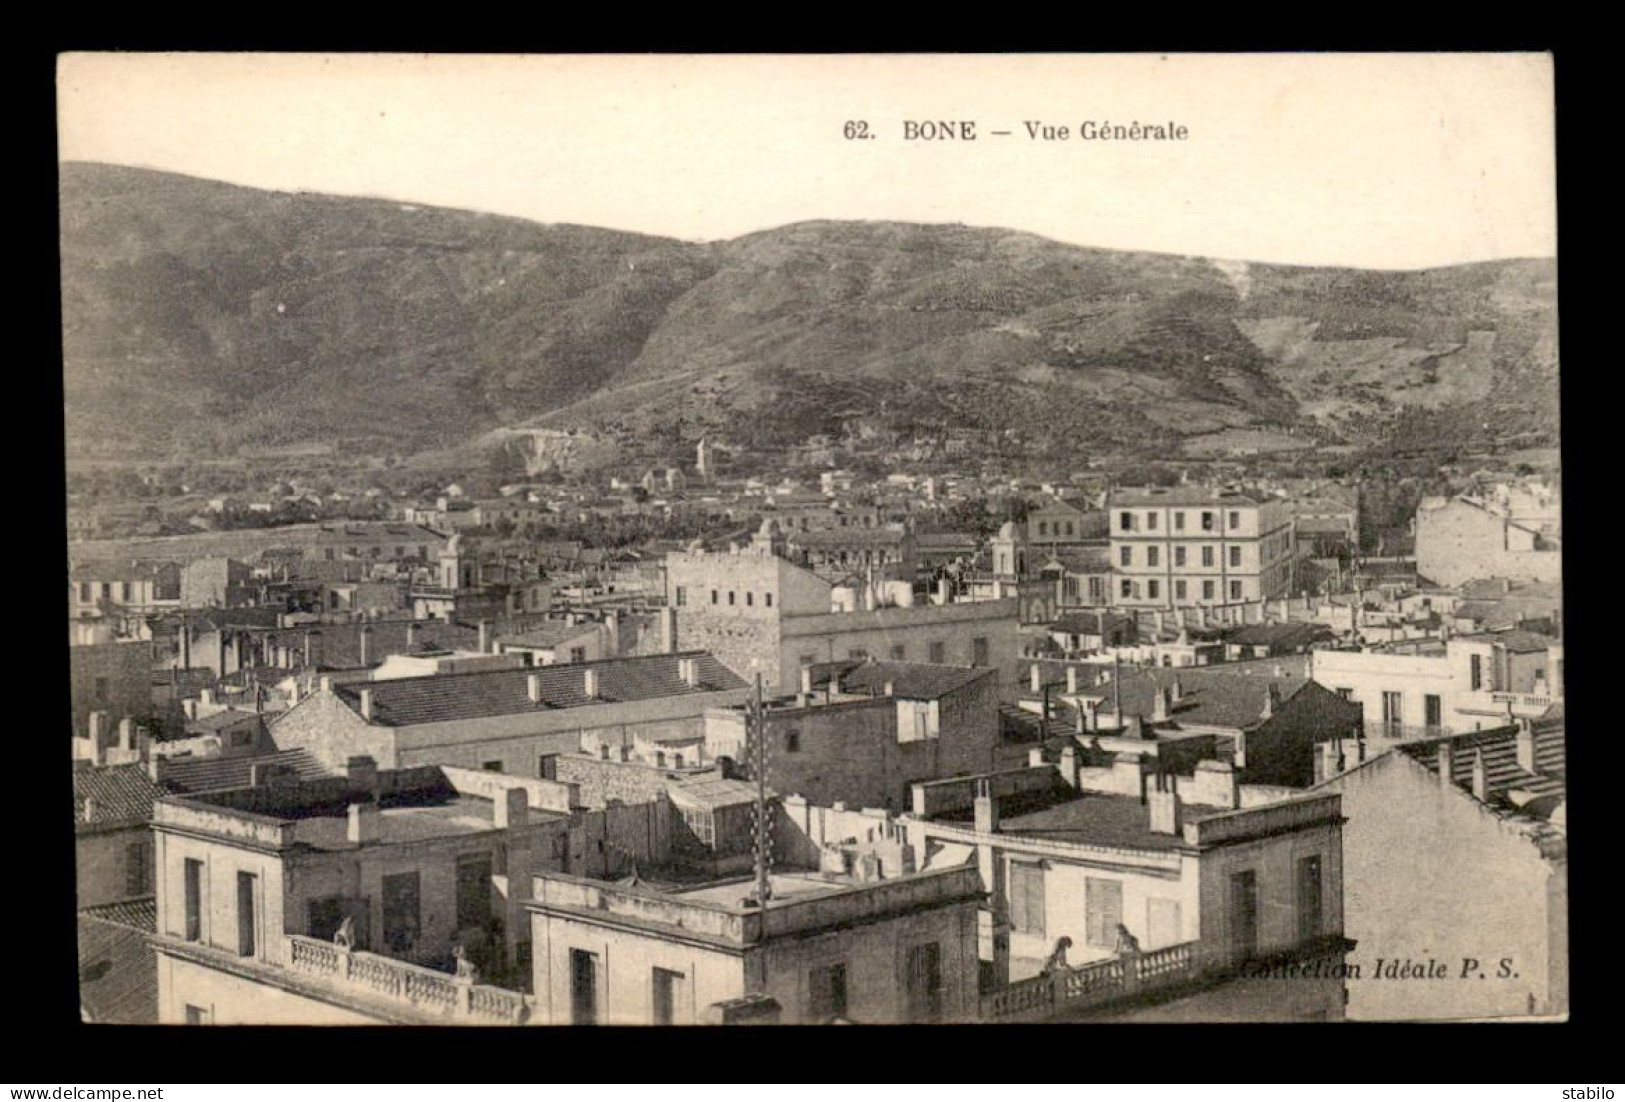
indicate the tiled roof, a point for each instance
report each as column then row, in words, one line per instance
column 1178, row 495
column 121, row 794
column 1091, row 623
column 548, row 635
column 1278, row 635
column 118, row 971
column 219, row 721
column 1502, row 773
column 191, row 775
column 1208, row 697
column 445, row 697
column 909, row 680
column 1518, row 642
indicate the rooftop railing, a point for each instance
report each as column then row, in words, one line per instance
column 459, row 1000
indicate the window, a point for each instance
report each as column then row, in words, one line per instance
column 193, row 877
column 857, row 654
column 246, row 886
column 1103, row 911
column 1179, row 556
column 402, row 921
column 1345, row 693
column 925, row 982
column 1476, row 673
column 137, row 870
column 1125, row 556
column 1235, row 591
column 676, row 760
column 1235, row 555
column 1432, row 711
column 713, row 596
column 578, row 654
column 826, row 993
column 1393, row 709
column 1207, row 556
column 660, row 758
column 1243, row 914
column 1207, row 591
column 1235, row 520
column 730, row 596
column 1128, row 589
column 1179, row 522
column 474, row 892
column 492, row 766
column 1125, row 522
column 547, row 767
column 1153, row 589
column 1153, row 556
column 1069, row 527
column 938, row 653
column 1027, row 899
column 84, row 592
column 899, row 652
column 1207, row 522
column 808, row 659
column 666, row 995
column 1179, row 590
column 792, row 741
column 583, row 987
column 767, row 599
column 1043, row 528
column 1151, row 522
column 750, row 599
column 196, row 1015
column 978, row 651
column 1310, row 915
column 682, row 595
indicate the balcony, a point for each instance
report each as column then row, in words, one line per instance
column 454, row 1000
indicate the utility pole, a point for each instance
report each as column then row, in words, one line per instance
column 759, row 728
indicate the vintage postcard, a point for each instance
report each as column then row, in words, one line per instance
column 707, row 540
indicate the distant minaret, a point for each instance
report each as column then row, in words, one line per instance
column 704, row 461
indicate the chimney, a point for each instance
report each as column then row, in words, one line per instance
column 1175, row 693
column 366, row 704
column 806, row 681
column 986, row 808
column 1446, row 763
column 1480, row 777
column 689, row 670
column 411, row 634
column 944, row 595
column 206, row 697
column 1035, row 677
column 1069, row 765
column 1135, row 728
column 833, row 688
column 533, row 686
column 889, row 689
column 126, row 733
column 1162, row 705
column 188, row 707
column 1072, row 680
column 294, row 695
column 1272, row 698
column 1035, row 757
column 511, row 808
column 362, row 773
column 326, row 683
column 90, row 809
column 590, row 683
column 485, row 637
column 668, row 630
column 307, row 648
column 186, row 646
column 1526, row 746
column 1165, row 813
column 365, row 824
column 96, row 725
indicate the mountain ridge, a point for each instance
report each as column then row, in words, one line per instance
column 205, row 317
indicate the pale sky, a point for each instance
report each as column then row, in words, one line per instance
column 1393, row 161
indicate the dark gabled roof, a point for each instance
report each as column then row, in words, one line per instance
column 122, row 795
column 441, row 698
column 909, row 680
column 1178, row 495
column 193, row 775
column 219, row 721
column 1083, row 560
column 1101, row 820
column 546, row 635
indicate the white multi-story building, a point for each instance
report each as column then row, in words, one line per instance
column 1188, row 547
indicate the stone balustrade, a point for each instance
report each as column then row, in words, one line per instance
column 428, row 991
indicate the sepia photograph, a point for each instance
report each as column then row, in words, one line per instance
column 862, row 539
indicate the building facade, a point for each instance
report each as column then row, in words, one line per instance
column 1179, row 548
